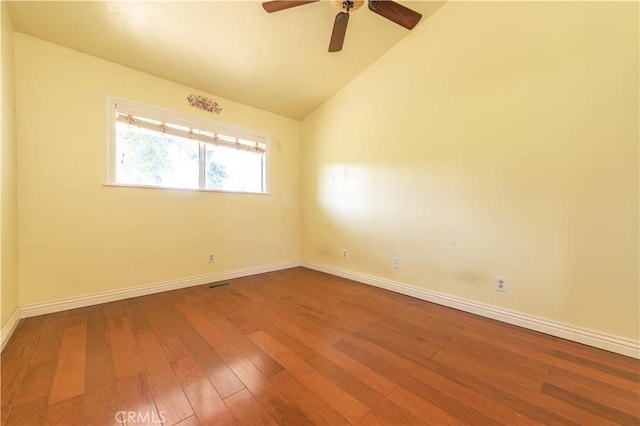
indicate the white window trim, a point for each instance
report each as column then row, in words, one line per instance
column 182, row 119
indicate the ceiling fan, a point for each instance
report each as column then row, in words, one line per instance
column 395, row 12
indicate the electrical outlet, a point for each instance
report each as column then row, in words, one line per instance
column 345, row 254
column 501, row 283
column 212, row 258
column 396, row 263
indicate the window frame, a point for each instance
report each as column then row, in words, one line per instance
column 182, row 119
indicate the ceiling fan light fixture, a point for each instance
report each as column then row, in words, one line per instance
column 348, row 5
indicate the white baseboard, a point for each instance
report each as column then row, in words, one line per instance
column 9, row 327
column 126, row 293
column 596, row 339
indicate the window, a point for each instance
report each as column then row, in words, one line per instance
column 154, row 147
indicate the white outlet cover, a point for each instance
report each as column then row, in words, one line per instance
column 501, row 283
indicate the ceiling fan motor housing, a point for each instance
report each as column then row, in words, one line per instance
column 373, row 4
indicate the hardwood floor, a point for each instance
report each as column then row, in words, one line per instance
column 302, row 347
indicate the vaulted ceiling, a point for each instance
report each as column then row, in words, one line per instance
column 234, row 49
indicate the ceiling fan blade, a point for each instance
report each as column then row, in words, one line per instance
column 395, row 12
column 339, row 31
column 276, row 6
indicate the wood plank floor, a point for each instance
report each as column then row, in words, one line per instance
column 302, row 347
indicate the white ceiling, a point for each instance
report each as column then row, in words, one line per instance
column 234, row 49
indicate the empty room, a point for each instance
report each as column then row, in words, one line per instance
column 320, row 212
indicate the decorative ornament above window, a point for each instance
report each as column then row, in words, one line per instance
column 204, row 103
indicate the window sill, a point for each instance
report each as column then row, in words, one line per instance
column 169, row 188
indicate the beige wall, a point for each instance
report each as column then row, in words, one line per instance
column 8, row 178
column 78, row 237
column 495, row 139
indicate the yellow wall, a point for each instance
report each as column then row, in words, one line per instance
column 495, row 139
column 8, row 178
column 78, row 237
